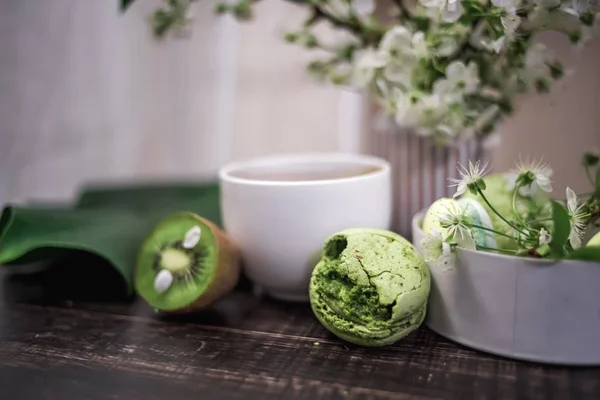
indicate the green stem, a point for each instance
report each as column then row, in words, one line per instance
column 497, row 250
column 589, row 176
column 497, row 213
column 490, row 230
column 541, row 220
column 514, row 203
column 403, row 10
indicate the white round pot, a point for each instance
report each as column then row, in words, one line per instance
column 534, row 310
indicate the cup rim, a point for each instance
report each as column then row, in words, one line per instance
column 225, row 172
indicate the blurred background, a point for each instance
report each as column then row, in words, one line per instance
column 87, row 94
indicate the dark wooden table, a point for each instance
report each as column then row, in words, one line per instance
column 59, row 341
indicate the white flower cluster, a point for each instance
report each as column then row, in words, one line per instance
column 457, row 74
column 535, row 226
column 444, row 68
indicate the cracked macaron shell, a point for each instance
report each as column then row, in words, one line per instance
column 370, row 288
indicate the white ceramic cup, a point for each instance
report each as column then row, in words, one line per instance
column 281, row 223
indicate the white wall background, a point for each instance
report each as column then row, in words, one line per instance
column 561, row 125
column 87, row 94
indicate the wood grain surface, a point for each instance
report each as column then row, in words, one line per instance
column 55, row 343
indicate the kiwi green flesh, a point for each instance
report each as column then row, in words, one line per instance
column 192, row 269
column 370, row 289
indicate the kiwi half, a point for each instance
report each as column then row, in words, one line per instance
column 186, row 263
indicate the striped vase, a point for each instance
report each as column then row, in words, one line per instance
column 420, row 169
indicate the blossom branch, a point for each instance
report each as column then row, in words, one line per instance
column 490, row 230
column 403, row 10
column 480, row 192
column 352, row 26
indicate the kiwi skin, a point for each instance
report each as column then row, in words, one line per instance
column 226, row 272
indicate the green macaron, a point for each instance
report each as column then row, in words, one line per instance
column 370, row 288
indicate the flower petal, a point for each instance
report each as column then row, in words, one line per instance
column 398, row 73
column 499, row 44
column 363, row 7
column 192, row 237
column 453, row 11
column 455, row 70
column 544, row 184
column 545, row 238
column 464, row 239
column 397, row 38
column 460, row 189
column 446, row 249
column 571, row 200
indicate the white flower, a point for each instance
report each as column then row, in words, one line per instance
column 407, row 113
column 580, row 6
column 192, row 237
column 367, row 64
column 434, row 248
column 541, row 172
column 422, row 115
column 163, row 281
column 337, row 8
column 447, row 10
column 399, row 72
column 393, row 97
column 403, row 50
column 511, row 183
column 448, row 45
column 536, row 58
column 454, row 221
column 499, row 44
column 510, row 22
column 452, row 125
column 398, row 39
column 452, row 11
column 419, row 45
column 468, row 176
column 545, row 237
column 363, row 8
column 459, row 79
column 504, row 3
column 578, row 219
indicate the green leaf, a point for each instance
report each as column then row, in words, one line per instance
column 107, row 222
column 590, row 159
column 125, row 4
column 588, row 253
column 562, row 227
